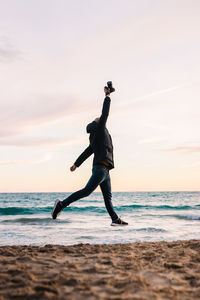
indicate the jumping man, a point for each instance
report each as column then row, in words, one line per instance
column 102, row 148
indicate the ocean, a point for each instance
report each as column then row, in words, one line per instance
column 25, row 218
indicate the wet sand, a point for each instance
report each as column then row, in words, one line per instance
column 159, row 270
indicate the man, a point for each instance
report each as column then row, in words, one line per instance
column 101, row 146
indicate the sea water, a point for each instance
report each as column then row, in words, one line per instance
column 25, row 218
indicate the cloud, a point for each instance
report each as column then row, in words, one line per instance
column 152, row 140
column 191, row 165
column 159, row 92
column 8, row 52
column 39, row 141
column 185, row 148
column 26, row 162
column 35, row 110
column 143, row 100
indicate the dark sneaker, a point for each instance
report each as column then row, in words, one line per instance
column 118, row 222
column 57, row 209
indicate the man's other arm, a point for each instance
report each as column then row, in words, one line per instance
column 84, row 155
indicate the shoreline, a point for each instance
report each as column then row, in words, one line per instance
column 140, row 270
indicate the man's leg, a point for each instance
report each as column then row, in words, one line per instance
column 98, row 175
column 106, row 191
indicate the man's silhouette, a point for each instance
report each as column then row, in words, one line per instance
column 102, row 148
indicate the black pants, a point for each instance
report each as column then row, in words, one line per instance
column 100, row 176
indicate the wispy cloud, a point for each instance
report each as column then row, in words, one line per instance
column 8, row 52
column 184, row 148
column 191, row 165
column 26, row 162
column 152, row 140
column 145, row 101
column 40, row 141
column 37, row 110
column 159, row 92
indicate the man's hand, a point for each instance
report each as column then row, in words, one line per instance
column 73, row 168
column 107, row 91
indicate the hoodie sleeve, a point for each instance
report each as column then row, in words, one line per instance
column 84, row 155
column 105, row 112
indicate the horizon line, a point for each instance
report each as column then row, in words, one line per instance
column 136, row 191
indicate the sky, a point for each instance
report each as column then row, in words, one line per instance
column 55, row 58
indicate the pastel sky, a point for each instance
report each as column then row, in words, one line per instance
column 55, row 58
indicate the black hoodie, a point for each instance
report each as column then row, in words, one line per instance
column 100, row 140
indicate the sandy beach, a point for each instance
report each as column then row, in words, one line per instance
column 148, row 270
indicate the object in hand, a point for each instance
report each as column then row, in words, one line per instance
column 110, row 86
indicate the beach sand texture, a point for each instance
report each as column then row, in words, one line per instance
column 148, row 270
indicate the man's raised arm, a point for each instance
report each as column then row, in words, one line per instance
column 105, row 112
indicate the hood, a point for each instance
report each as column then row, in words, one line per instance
column 91, row 127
